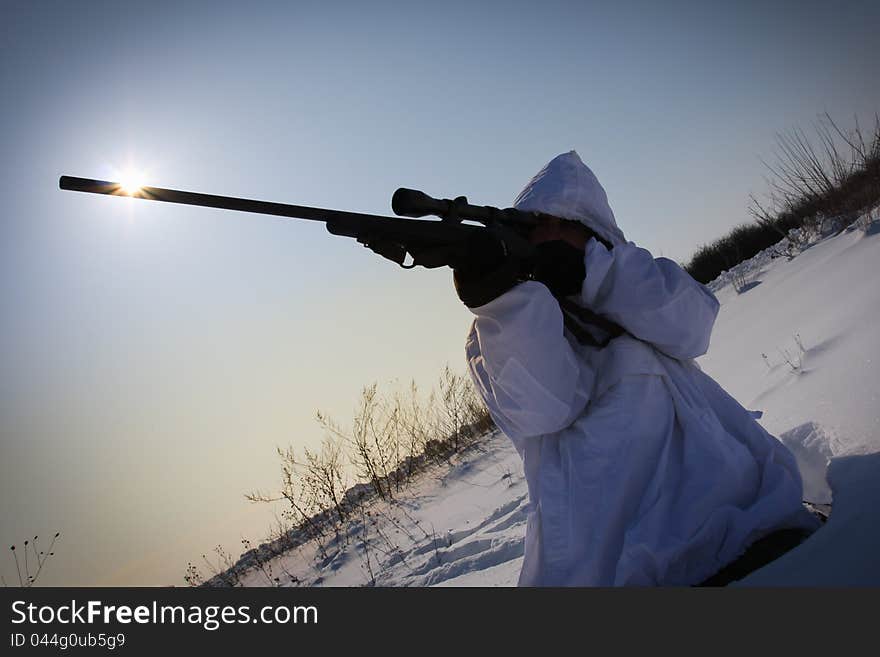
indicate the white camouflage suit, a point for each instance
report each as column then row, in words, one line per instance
column 641, row 470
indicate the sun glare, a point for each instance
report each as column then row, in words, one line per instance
column 131, row 181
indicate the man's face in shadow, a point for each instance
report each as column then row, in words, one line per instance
column 552, row 229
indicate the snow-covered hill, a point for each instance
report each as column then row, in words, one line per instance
column 800, row 344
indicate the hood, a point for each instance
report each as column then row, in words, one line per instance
column 567, row 188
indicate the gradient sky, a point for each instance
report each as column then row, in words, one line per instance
column 153, row 355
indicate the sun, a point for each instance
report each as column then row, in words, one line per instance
column 131, row 181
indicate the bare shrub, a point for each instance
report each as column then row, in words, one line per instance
column 222, row 573
column 462, row 416
column 372, row 441
column 742, row 278
column 413, row 429
column 816, row 186
column 393, row 436
column 795, row 358
column 314, row 488
column 30, row 559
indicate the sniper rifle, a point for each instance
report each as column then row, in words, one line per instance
column 409, row 242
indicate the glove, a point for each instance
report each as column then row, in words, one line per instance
column 485, row 271
column 559, row 266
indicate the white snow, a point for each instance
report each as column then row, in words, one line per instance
column 460, row 525
column 800, row 344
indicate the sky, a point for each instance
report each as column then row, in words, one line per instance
column 152, row 356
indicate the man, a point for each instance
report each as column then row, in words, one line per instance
column 641, row 470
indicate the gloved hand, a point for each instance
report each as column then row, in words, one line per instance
column 560, row 266
column 485, row 272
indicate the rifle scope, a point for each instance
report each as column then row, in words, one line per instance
column 413, row 203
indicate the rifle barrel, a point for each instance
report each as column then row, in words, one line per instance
column 75, row 184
